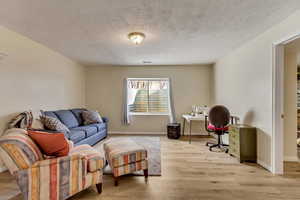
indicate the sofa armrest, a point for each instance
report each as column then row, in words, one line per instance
column 105, row 119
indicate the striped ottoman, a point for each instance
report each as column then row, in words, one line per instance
column 125, row 156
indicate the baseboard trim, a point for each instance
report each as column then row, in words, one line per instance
column 3, row 169
column 291, row 158
column 193, row 133
column 264, row 165
column 135, row 133
column 143, row 133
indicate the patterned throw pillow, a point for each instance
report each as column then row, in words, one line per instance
column 91, row 117
column 54, row 124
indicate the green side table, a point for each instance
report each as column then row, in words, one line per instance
column 242, row 142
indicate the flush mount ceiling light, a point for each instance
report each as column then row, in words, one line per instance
column 136, row 37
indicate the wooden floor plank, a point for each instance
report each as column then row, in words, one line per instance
column 190, row 171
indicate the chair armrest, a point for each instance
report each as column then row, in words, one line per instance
column 95, row 162
column 95, row 159
column 59, row 160
column 105, row 119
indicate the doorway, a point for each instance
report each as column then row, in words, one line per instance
column 285, row 103
column 291, row 100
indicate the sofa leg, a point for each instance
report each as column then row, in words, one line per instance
column 99, row 187
column 116, row 181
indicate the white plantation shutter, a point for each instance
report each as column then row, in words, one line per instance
column 148, row 96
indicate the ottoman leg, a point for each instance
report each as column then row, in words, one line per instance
column 146, row 174
column 99, row 187
column 116, row 180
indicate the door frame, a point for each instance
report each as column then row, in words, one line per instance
column 277, row 150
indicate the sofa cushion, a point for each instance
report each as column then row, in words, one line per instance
column 76, row 135
column 100, row 126
column 67, row 117
column 94, row 139
column 77, row 112
column 50, row 114
column 89, row 130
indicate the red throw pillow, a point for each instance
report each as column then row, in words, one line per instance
column 51, row 144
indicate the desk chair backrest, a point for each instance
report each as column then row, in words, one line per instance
column 219, row 116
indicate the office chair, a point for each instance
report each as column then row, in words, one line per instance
column 217, row 122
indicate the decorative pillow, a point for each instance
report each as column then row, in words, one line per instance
column 91, row 117
column 37, row 124
column 54, row 124
column 51, row 144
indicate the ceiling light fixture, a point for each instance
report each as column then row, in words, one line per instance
column 136, row 37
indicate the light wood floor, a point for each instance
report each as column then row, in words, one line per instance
column 190, row 171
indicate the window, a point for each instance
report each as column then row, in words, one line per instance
column 148, row 96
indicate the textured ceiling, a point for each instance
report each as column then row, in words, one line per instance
column 94, row 32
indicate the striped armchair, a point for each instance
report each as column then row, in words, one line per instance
column 53, row 179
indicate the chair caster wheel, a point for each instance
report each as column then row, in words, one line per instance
column 226, row 151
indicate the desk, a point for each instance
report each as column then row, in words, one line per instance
column 189, row 119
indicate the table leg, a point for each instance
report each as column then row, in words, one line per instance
column 190, row 131
column 183, row 126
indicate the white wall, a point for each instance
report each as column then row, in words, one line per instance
column 243, row 82
column 191, row 85
column 35, row 77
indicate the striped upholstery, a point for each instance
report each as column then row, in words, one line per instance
column 47, row 179
column 71, row 144
column 125, row 156
column 95, row 160
column 129, row 168
column 19, row 151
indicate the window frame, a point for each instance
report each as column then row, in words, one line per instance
column 151, row 113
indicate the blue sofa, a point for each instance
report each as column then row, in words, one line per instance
column 80, row 133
